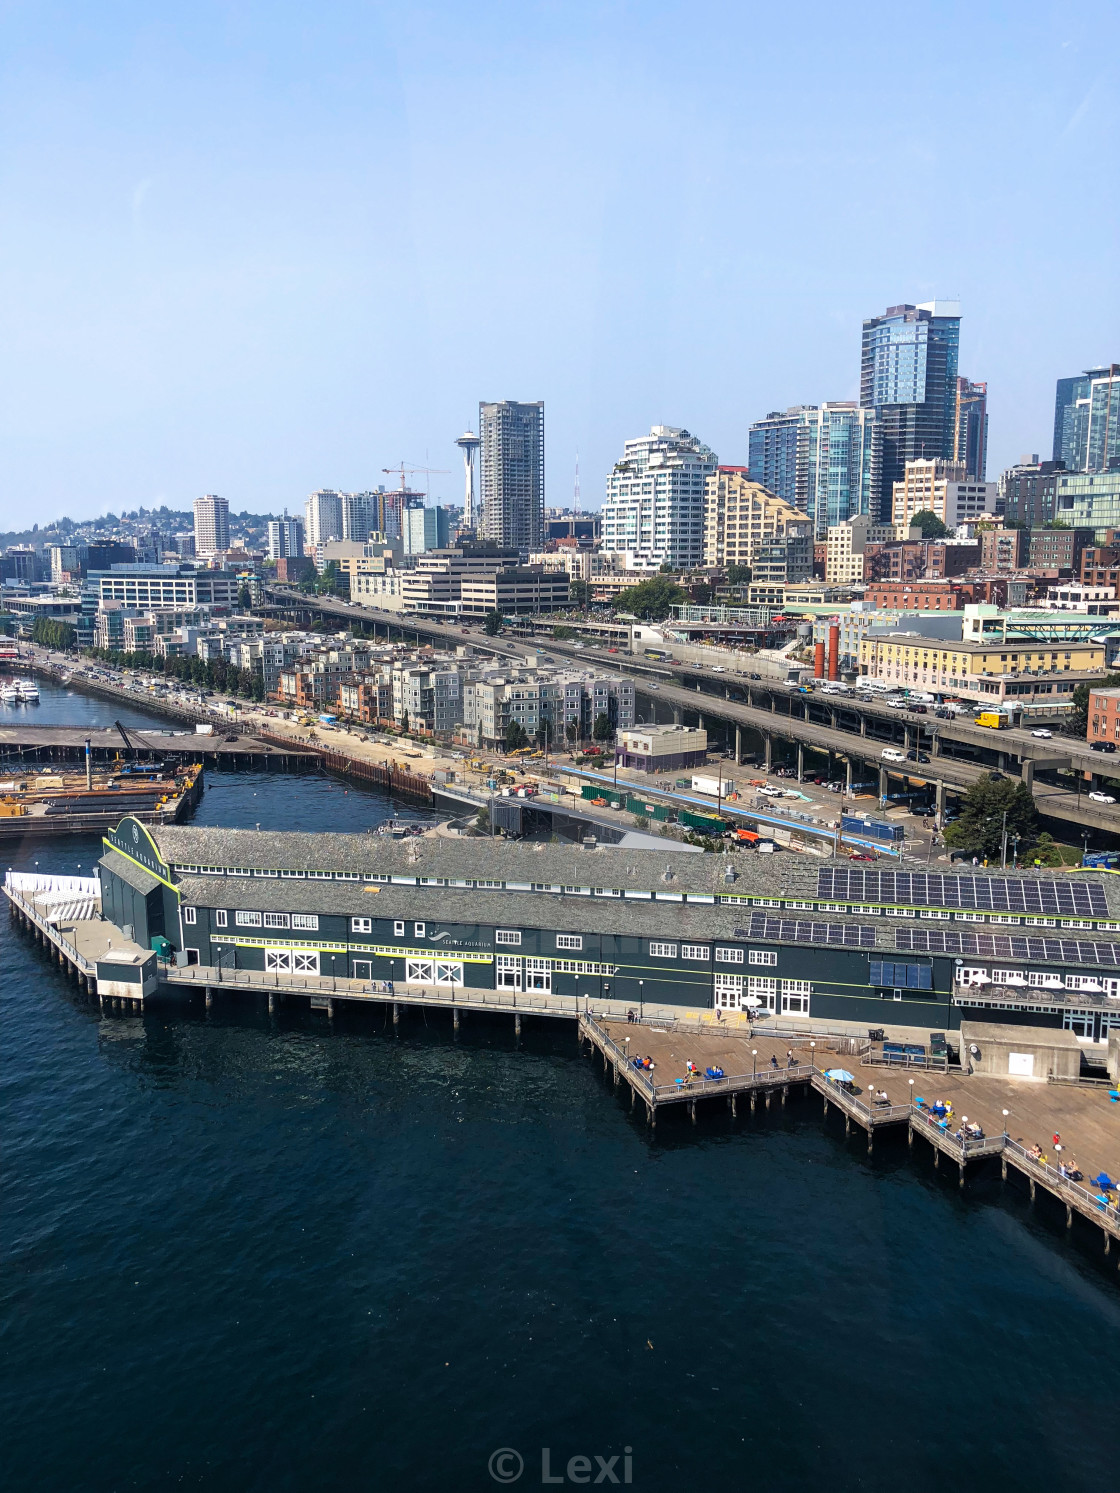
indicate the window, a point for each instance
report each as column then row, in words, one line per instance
column 1046, row 981
column 363, row 969
column 694, row 951
column 764, row 988
column 508, row 969
column 247, row 919
column 360, row 925
column 795, row 997
column 538, row 974
column 729, row 992
column 309, row 921
column 662, row 951
column 190, row 915
column 221, row 918
column 728, row 956
column 418, row 930
column 569, row 941
column 907, row 976
column 507, row 936
column 276, row 920
column 762, row 956
column 398, row 930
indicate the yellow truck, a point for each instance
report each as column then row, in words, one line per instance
column 993, row 718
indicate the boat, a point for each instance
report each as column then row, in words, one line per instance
column 28, row 690
column 9, row 693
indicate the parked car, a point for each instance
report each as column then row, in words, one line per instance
column 858, row 855
column 837, row 787
column 1102, row 746
column 1044, row 735
column 769, row 790
column 1102, row 798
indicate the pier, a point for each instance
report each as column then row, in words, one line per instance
column 22, row 744
column 762, row 1066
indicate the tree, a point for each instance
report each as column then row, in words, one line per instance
column 492, row 623
column 651, row 599
column 701, row 593
column 738, row 575
column 49, row 632
column 244, row 598
column 979, row 828
column 602, row 730
column 579, row 593
column 1076, row 722
column 930, row 525
column 515, row 736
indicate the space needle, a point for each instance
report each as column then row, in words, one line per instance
column 468, row 444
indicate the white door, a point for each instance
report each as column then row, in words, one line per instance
column 305, row 961
column 538, row 974
column 509, row 971
column 278, row 961
column 363, row 969
column 729, row 992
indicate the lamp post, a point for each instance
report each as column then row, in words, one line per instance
column 1005, row 1115
column 1014, row 852
column 754, row 1062
column 813, row 1054
column 1084, row 844
column 910, row 1081
column 641, row 1000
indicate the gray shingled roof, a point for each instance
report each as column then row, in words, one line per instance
column 131, row 874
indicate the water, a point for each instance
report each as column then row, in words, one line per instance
column 246, row 1252
column 60, row 706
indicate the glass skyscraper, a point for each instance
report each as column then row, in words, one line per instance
column 824, row 459
column 971, row 438
column 772, row 451
column 908, row 375
column 1087, row 420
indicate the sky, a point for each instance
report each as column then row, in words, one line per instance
column 256, row 249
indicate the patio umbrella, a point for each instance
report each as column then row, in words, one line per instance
column 840, row 1075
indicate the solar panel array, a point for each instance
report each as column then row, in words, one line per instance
column 1075, row 899
column 801, row 930
column 1007, row 946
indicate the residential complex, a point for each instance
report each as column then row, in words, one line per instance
column 845, row 547
column 654, row 507
column 970, row 438
column 1087, row 420
column 943, row 489
column 511, row 473
column 285, row 537
column 211, row 525
column 740, row 514
column 824, row 459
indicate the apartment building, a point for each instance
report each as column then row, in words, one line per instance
column 944, row 489
column 740, row 515
column 928, row 663
column 845, row 545
column 654, row 507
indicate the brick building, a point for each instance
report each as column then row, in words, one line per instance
column 1104, row 715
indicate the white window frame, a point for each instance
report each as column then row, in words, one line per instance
column 727, row 992
column 1044, row 980
column 419, row 930
column 248, row 919
column 569, row 941
column 796, row 995
column 221, row 918
column 398, row 929
column 190, row 915
column 765, row 988
column 363, row 969
column 538, row 974
column 307, row 921
column 763, row 956
column 662, row 951
column 511, row 937
column 361, row 925
column 728, row 956
column 509, row 972
column 698, row 951
column 277, row 920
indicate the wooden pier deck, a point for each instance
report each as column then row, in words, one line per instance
column 24, row 743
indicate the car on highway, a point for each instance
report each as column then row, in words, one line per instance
column 653, row 686
column 1102, row 798
column 858, row 855
column 1102, row 746
column 913, row 756
column 1043, row 735
column 895, row 704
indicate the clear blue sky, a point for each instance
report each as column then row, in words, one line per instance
column 258, row 248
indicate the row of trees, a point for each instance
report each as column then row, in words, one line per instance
column 515, row 736
column 213, row 673
column 49, row 632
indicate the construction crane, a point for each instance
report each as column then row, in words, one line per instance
column 428, row 472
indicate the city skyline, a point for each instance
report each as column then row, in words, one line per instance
column 323, row 333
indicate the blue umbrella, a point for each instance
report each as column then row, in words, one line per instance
column 840, row 1075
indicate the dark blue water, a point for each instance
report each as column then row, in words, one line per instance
column 60, row 706
column 245, row 1252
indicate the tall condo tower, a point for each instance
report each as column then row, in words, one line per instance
column 468, row 444
column 908, row 375
column 211, row 524
column 511, row 473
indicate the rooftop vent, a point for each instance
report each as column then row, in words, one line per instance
column 667, row 874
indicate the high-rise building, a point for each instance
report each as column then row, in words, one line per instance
column 285, row 537
column 425, row 529
column 654, row 507
column 360, row 515
column 908, row 374
column 772, row 450
column 1087, row 420
column 970, row 435
column 324, row 516
column 211, row 525
column 839, row 463
column 740, row 515
column 511, row 473
column 824, row 459
column 1029, row 491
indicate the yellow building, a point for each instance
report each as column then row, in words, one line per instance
column 914, row 662
column 740, row 514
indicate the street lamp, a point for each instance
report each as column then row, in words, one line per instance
column 754, row 1062
column 1005, row 1115
column 641, row 1000
column 813, row 1054
column 1084, row 843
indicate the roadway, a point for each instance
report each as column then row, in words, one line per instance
column 816, row 731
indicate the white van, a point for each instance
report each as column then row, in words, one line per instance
column 919, row 697
column 893, row 754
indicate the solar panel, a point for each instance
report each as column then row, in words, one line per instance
column 803, row 931
column 1007, row 946
column 1078, row 899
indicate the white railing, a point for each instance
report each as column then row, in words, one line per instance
column 29, row 884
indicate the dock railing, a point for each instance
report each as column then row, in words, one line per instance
column 1064, row 1187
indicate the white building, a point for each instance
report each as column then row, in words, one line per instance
column 211, row 525
column 654, row 506
column 285, row 537
column 323, row 510
column 845, row 544
column 940, row 487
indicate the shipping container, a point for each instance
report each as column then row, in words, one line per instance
column 718, row 786
column 873, row 829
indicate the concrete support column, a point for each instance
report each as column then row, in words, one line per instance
column 907, row 743
column 935, row 744
column 1028, row 773
column 396, row 1014
column 805, row 711
column 883, row 782
column 767, row 751
column 455, row 1017
column 738, row 745
column 939, row 804
column 517, row 1024
column 862, row 724
column 800, row 761
column 847, row 772
column 676, row 715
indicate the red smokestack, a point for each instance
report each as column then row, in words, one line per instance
column 834, row 651
column 818, row 660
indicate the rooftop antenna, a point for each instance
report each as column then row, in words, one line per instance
column 575, row 497
column 468, row 444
